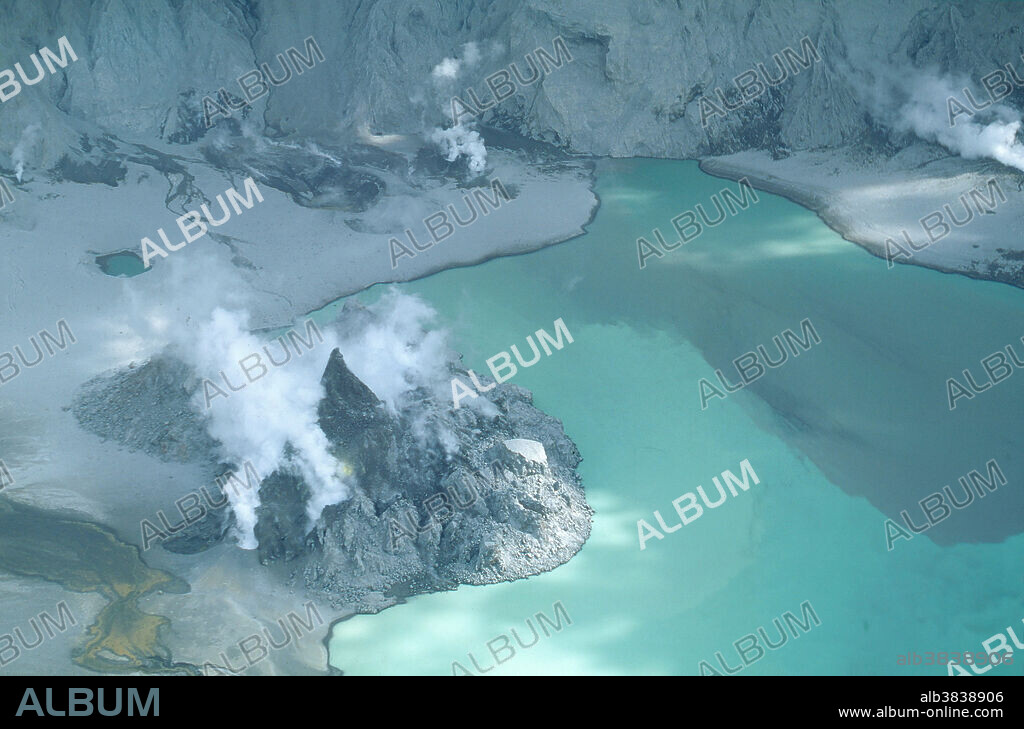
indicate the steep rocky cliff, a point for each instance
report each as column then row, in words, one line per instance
column 632, row 87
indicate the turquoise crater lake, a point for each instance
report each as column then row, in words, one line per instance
column 841, row 438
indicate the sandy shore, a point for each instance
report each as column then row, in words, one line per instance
column 870, row 199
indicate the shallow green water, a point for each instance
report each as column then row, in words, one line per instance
column 857, row 423
column 125, row 264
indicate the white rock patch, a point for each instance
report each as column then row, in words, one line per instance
column 531, row 450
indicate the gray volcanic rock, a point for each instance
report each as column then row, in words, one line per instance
column 443, row 496
column 614, row 98
column 282, row 517
column 422, row 519
column 350, row 409
column 147, row 408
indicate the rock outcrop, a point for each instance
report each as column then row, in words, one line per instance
column 501, row 509
column 441, row 496
column 632, row 88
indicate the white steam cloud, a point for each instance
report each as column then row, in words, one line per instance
column 19, row 156
column 400, row 354
column 921, row 103
column 273, row 421
column 458, row 140
column 449, row 68
column 395, row 352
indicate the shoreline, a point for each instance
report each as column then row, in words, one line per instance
column 816, row 200
column 833, row 212
column 591, row 162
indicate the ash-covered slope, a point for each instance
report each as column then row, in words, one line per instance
column 631, row 89
column 640, row 75
column 441, row 497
